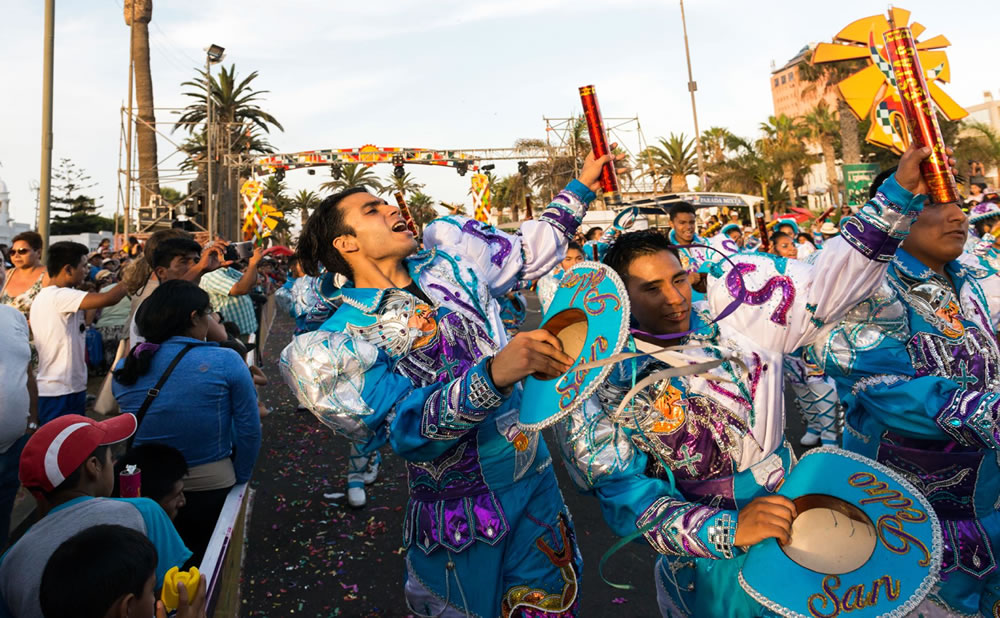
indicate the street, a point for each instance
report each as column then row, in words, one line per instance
column 310, row 555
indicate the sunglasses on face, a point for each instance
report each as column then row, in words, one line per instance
column 20, row 251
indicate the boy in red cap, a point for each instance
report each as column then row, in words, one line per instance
column 67, row 466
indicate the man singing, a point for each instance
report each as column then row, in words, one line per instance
column 417, row 356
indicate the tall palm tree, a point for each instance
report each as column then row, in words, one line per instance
column 354, row 175
column 422, row 210
column 826, row 77
column 304, row 201
column 404, row 184
column 675, row 158
column 238, row 123
column 748, row 170
column 821, row 125
column 145, row 136
column 782, row 143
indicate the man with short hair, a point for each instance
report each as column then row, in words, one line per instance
column 918, row 367
column 230, row 289
column 58, row 329
column 67, row 466
column 417, row 355
column 692, row 463
column 694, row 259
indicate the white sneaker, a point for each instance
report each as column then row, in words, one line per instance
column 809, row 439
column 356, row 497
column 370, row 475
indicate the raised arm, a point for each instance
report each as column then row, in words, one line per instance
column 788, row 302
column 505, row 260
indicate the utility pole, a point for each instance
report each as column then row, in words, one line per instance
column 209, row 210
column 692, row 86
column 46, row 173
column 126, row 228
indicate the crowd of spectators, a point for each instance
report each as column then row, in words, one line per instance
column 162, row 328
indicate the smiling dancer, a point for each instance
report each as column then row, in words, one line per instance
column 692, row 463
column 417, row 356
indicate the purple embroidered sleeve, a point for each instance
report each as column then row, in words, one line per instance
column 689, row 529
column 971, row 418
column 451, row 412
column 882, row 224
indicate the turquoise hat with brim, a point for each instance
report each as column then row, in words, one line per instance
column 865, row 543
column 589, row 314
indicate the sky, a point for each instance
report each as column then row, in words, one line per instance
column 429, row 73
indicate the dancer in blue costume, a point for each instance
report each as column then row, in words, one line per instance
column 417, row 356
column 693, row 462
column 918, row 367
column 982, row 252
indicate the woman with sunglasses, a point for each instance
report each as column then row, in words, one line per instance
column 28, row 276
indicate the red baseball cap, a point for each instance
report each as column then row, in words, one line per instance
column 62, row 445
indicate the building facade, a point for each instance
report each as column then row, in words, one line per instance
column 795, row 97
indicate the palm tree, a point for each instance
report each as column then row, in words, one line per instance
column 825, row 77
column 822, row 126
column 422, row 210
column 354, row 175
column 713, row 141
column 981, row 143
column 237, row 126
column 675, row 158
column 748, row 170
column 509, row 192
column 145, row 136
column 782, row 143
column 403, row 184
column 304, row 201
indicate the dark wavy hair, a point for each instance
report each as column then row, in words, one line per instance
column 165, row 314
column 634, row 245
column 316, row 240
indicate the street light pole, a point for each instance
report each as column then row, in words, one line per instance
column 692, row 86
column 213, row 54
column 209, row 210
column 45, row 188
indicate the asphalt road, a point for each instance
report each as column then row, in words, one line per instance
column 310, row 555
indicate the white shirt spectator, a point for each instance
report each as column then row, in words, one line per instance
column 14, row 400
column 57, row 323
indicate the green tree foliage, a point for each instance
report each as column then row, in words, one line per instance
column 354, row 175
column 74, row 212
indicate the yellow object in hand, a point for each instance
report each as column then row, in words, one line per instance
column 169, row 594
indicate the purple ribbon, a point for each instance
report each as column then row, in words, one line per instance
column 741, row 295
column 142, row 347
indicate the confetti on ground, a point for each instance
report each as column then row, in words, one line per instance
column 308, row 556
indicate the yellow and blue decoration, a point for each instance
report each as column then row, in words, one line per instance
column 589, row 314
column 865, row 542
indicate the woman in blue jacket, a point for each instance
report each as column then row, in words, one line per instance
column 207, row 408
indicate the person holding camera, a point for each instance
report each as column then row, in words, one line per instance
column 229, row 290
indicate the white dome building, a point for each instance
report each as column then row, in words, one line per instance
column 8, row 229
